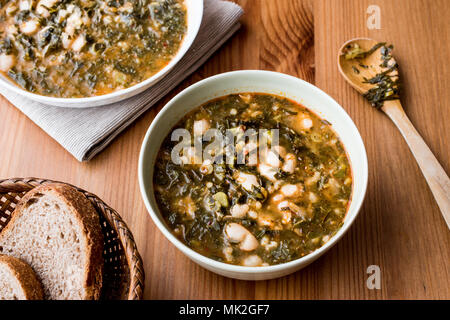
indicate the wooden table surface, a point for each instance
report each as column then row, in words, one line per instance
column 399, row 228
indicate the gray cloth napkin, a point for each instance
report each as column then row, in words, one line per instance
column 86, row 132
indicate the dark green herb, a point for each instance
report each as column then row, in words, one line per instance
column 77, row 66
column 363, row 66
column 386, row 84
column 385, row 89
column 125, row 69
column 21, row 79
column 356, row 52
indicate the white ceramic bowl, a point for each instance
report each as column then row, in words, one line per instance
column 194, row 18
column 253, row 81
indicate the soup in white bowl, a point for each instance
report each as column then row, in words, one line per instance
column 85, row 53
column 275, row 191
column 308, row 100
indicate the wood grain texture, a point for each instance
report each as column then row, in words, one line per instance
column 399, row 229
column 434, row 174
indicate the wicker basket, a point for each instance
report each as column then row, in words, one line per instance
column 123, row 276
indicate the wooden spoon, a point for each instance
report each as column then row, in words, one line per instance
column 368, row 66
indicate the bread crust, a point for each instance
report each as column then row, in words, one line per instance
column 87, row 216
column 25, row 275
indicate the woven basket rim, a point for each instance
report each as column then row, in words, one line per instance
column 133, row 258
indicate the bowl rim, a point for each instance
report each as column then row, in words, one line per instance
column 236, row 268
column 127, row 92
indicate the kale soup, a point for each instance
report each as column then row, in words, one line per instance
column 253, row 179
column 86, row 48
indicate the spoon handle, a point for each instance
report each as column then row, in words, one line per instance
column 435, row 175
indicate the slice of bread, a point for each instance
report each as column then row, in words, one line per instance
column 18, row 281
column 56, row 230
